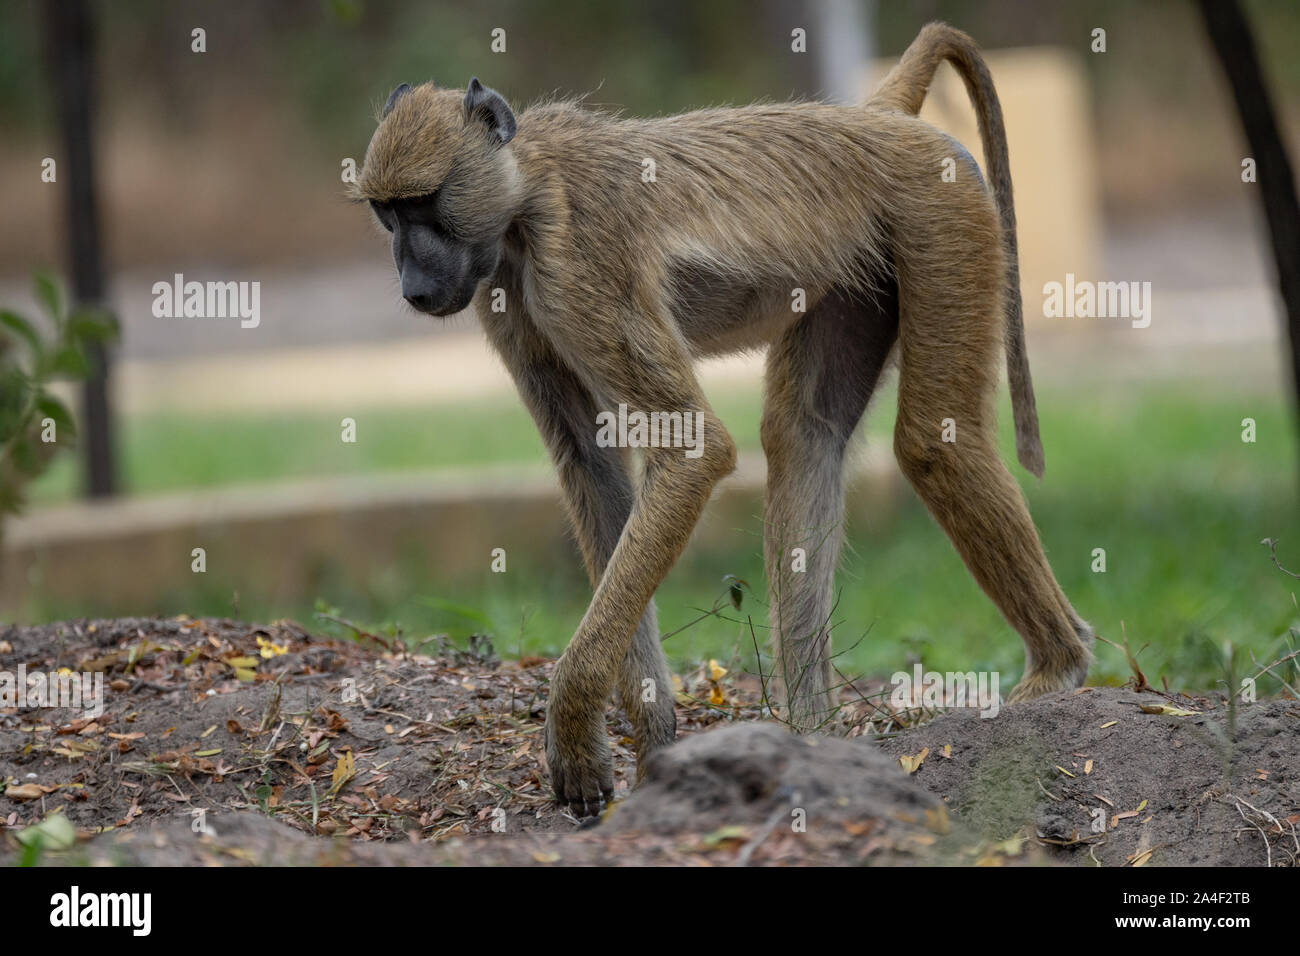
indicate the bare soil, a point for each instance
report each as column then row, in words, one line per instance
column 226, row 743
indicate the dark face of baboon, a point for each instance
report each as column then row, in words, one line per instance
column 440, row 178
column 438, row 269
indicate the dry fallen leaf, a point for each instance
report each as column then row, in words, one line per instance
column 731, row 833
column 344, row 770
column 913, row 764
column 270, row 649
column 1168, row 710
column 26, row 791
column 937, row 819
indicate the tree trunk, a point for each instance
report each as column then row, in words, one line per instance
column 70, row 49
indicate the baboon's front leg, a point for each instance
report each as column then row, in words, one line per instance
column 598, row 494
column 820, row 376
column 636, row 360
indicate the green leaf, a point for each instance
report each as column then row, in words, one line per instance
column 25, row 330
column 55, row 832
column 49, row 295
column 70, row 361
column 25, row 456
column 726, row 833
column 14, row 394
column 92, row 324
column 50, row 407
column 11, row 500
column 735, row 589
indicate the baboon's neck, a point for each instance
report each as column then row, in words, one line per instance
column 542, row 209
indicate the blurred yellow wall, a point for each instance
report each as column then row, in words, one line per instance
column 1053, row 163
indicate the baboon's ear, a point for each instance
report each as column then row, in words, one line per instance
column 488, row 106
column 393, row 97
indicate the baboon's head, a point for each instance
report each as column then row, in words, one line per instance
column 441, row 179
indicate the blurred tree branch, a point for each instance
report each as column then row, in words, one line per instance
column 1231, row 38
column 70, row 37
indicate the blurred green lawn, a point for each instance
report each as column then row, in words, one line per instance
column 1159, row 478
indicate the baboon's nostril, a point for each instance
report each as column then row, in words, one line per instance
column 422, row 302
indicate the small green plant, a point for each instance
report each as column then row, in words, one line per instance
column 34, row 424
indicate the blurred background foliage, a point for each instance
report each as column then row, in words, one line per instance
column 300, row 80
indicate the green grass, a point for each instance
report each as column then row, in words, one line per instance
column 169, row 452
column 1158, row 478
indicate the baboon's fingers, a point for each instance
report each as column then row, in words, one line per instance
column 577, row 754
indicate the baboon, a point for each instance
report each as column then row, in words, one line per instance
column 604, row 254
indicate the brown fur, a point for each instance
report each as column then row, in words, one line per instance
column 614, row 286
column 904, row 89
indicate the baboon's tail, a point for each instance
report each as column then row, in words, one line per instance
column 904, row 89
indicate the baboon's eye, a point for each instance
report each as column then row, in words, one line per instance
column 424, row 210
column 416, row 205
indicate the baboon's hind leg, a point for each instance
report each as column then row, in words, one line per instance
column 820, row 376
column 949, row 343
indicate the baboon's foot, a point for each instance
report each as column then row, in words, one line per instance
column 802, row 694
column 1066, row 672
column 654, row 729
column 807, row 713
column 1037, row 683
column 578, row 758
column 1087, row 638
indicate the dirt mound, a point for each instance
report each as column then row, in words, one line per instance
column 1098, row 779
column 749, row 793
column 224, row 743
column 759, row 781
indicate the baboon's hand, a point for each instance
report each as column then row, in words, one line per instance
column 577, row 752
